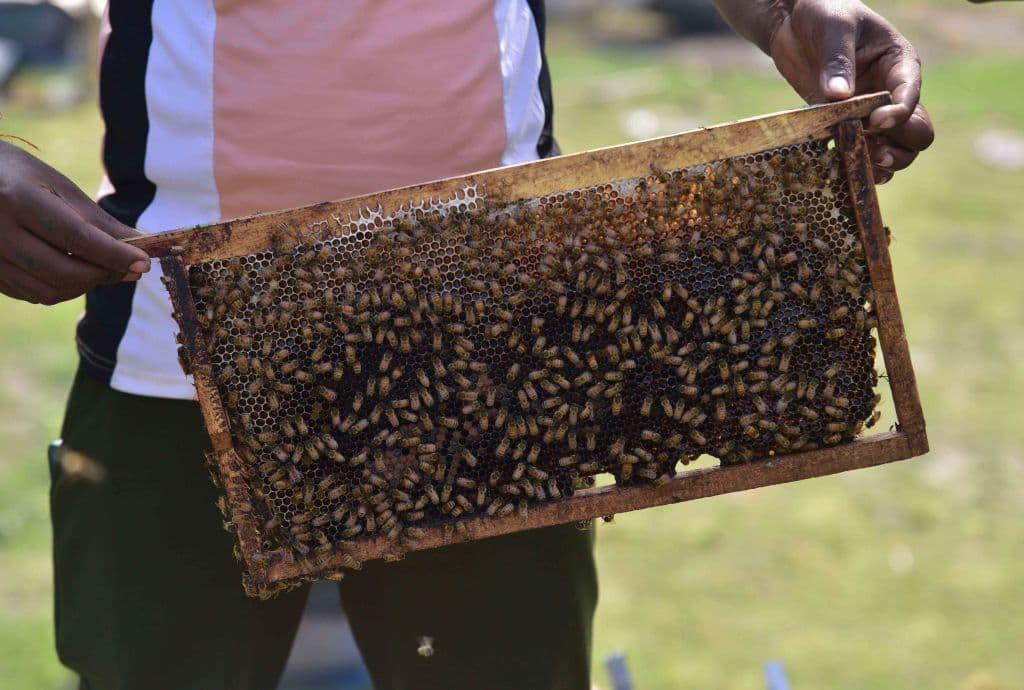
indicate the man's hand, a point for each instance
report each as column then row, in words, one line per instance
column 55, row 243
column 829, row 50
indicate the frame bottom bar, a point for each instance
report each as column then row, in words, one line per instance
column 609, row 500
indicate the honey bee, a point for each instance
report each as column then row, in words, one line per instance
column 839, row 313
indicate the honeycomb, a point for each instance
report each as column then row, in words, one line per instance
column 465, row 358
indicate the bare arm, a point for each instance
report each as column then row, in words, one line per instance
column 832, row 49
column 55, row 243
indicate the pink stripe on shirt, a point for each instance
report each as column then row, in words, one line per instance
column 343, row 107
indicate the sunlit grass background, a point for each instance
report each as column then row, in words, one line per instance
column 904, row 576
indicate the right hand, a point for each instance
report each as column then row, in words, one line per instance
column 55, row 242
column 829, row 50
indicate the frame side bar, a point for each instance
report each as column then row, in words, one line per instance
column 229, row 464
column 198, row 359
column 891, row 333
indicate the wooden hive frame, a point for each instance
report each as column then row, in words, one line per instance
column 839, row 122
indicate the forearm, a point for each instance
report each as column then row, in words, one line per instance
column 755, row 20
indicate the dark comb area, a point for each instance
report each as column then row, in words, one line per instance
column 464, row 359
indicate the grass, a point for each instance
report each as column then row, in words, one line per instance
column 37, row 360
column 904, row 576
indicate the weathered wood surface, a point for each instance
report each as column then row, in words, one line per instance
column 546, row 177
column 525, row 181
column 199, row 365
column 609, row 500
column 891, row 334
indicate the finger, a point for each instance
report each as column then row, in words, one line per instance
column 884, row 154
column 837, row 53
column 52, row 266
column 55, row 221
column 30, row 287
column 895, row 158
column 901, row 72
column 11, row 290
column 915, row 134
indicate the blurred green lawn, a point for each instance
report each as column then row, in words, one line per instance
column 905, row 576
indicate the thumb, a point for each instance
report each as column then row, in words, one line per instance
column 838, row 65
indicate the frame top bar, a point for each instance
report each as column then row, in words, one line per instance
column 524, row 181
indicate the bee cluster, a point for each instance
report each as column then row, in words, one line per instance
column 438, row 365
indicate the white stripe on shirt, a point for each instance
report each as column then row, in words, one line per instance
column 179, row 161
column 520, row 56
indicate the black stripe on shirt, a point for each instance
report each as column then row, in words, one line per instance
column 546, row 144
column 123, row 105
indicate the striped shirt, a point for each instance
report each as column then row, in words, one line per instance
column 215, row 109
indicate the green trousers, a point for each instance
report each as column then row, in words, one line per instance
column 148, row 595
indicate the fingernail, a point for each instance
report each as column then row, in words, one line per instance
column 838, row 85
column 886, row 160
column 139, row 266
column 130, row 277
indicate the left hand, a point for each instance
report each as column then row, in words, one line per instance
column 831, row 50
